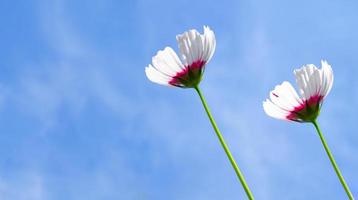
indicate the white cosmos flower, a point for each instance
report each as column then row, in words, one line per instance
column 314, row 85
column 195, row 50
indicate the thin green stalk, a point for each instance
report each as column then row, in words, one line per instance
column 333, row 162
column 223, row 144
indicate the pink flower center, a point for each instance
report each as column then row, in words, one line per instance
column 190, row 76
column 307, row 111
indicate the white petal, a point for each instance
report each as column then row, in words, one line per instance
column 209, row 44
column 308, row 79
column 194, row 46
column 157, row 77
column 327, row 78
column 273, row 111
column 186, row 46
column 285, row 96
column 167, row 62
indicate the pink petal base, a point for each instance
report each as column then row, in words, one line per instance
column 189, row 76
column 307, row 111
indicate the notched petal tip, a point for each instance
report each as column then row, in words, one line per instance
column 305, row 68
column 163, row 52
column 187, row 34
column 279, row 88
column 327, row 69
column 207, row 29
column 325, row 65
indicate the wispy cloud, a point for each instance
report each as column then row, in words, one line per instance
column 112, row 134
column 23, row 185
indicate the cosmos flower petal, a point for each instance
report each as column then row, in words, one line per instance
column 308, row 79
column 167, row 62
column 327, row 78
column 188, row 42
column 274, row 111
column 209, row 43
column 157, row 77
column 285, row 97
column 196, row 47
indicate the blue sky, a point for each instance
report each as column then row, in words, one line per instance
column 79, row 119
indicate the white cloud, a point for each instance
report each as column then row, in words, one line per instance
column 27, row 185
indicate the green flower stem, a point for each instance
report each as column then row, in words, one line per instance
column 336, row 169
column 223, row 144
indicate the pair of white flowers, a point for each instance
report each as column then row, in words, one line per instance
column 284, row 103
column 196, row 51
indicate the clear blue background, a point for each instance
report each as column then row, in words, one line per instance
column 80, row 120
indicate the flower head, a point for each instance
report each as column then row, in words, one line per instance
column 314, row 84
column 195, row 49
